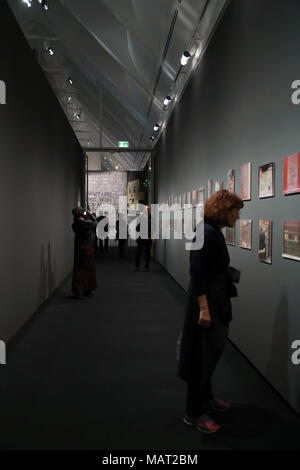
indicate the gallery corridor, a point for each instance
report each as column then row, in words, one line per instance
column 101, row 374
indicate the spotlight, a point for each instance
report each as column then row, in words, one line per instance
column 77, row 115
column 152, row 137
column 167, row 100
column 69, row 99
column 28, row 2
column 116, row 167
column 70, row 80
column 50, row 50
column 156, row 127
column 44, row 4
column 185, row 58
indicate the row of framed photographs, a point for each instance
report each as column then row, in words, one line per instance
column 290, row 238
column 266, row 178
column 266, row 183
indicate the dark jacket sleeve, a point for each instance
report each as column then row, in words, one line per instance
column 200, row 263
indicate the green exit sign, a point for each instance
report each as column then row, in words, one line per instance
column 123, row 143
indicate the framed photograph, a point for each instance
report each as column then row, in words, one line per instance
column 201, row 196
column 209, row 188
column 183, row 200
column 246, row 234
column 231, row 181
column 291, row 239
column 194, row 197
column 291, row 174
column 175, row 199
column 189, row 198
column 266, row 180
column 218, row 186
column 230, row 236
column 265, row 241
column 246, row 182
column 179, row 200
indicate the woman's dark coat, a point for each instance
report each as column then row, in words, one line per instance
column 210, row 274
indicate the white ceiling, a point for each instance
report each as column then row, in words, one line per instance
column 123, row 57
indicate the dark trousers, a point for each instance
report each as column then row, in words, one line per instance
column 121, row 247
column 212, row 343
column 103, row 244
column 143, row 245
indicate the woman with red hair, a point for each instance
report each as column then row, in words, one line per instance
column 208, row 311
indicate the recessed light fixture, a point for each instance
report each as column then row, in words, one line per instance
column 152, row 137
column 156, row 127
column 50, row 50
column 185, row 58
column 70, row 80
column 167, row 100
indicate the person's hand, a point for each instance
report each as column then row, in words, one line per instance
column 89, row 212
column 204, row 318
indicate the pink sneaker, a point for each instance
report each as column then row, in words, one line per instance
column 219, row 405
column 202, row 423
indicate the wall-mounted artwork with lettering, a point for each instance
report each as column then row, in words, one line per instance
column 265, row 241
column 230, row 181
column 291, row 239
column 194, row 197
column 218, row 186
column 291, row 174
column 246, row 182
column 189, row 198
column 209, row 188
column 230, row 236
column 246, row 234
column 266, row 180
column 201, row 196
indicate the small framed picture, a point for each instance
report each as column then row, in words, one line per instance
column 230, row 236
column 183, row 200
column 231, row 181
column 246, row 234
column 291, row 174
column 265, row 241
column 246, row 182
column 179, row 201
column 201, row 196
column 209, row 188
column 194, row 197
column 218, row 186
column 291, row 239
column 189, row 199
column 175, row 199
column 266, row 180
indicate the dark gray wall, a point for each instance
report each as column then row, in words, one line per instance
column 237, row 108
column 41, row 163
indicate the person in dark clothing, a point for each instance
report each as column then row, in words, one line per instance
column 84, row 273
column 208, row 311
column 103, row 243
column 144, row 245
column 121, row 241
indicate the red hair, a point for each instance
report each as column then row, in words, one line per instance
column 219, row 204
